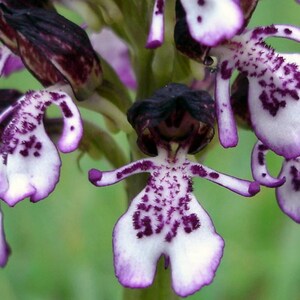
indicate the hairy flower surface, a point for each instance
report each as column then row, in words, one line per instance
column 205, row 19
column 30, row 164
column 274, row 83
column 165, row 219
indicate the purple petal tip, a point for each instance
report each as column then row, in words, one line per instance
column 254, row 188
column 153, row 44
column 94, row 176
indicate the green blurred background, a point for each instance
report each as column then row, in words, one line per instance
column 62, row 245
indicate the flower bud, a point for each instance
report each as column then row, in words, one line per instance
column 53, row 48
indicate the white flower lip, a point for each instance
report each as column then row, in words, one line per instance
column 165, row 219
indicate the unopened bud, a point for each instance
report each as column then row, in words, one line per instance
column 54, row 49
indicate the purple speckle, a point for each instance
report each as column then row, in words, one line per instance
column 261, row 158
column 262, row 147
column 159, row 7
column 66, row 110
column 72, row 128
column 36, row 154
column 144, row 166
column 214, row 175
column 56, row 96
column 145, row 198
column 264, row 31
column 199, row 19
column 24, row 152
column 198, row 170
column 38, row 146
column 287, row 31
column 225, row 71
column 136, row 220
column 295, row 178
column 201, row 2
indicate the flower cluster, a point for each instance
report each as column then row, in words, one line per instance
column 171, row 121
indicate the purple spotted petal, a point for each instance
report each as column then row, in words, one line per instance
column 149, row 230
column 4, row 247
column 165, row 219
column 274, row 82
column 30, row 163
column 288, row 195
column 212, row 21
column 116, row 53
column 156, row 32
column 259, row 169
column 9, row 63
column 195, row 257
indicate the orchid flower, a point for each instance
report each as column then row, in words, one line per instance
column 205, row 19
column 30, row 164
column 287, row 184
column 9, row 62
column 274, row 82
column 165, row 219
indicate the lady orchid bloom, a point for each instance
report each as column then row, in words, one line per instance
column 30, row 164
column 205, row 19
column 274, row 83
column 165, row 219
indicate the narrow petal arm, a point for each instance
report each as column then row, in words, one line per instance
column 243, row 187
column 226, row 124
column 259, row 169
column 100, row 178
column 281, row 31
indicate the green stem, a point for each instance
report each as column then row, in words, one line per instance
column 160, row 289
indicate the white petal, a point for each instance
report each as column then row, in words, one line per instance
column 288, row 195
column 135, row 259
column 30, row 163
column 195, row 257
column 211, row 21
column 226, row 123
